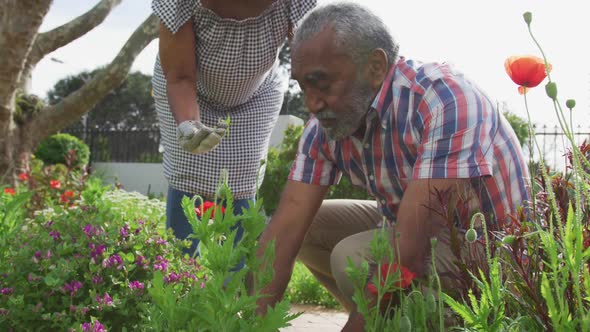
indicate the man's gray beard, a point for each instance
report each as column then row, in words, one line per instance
column 348, row 123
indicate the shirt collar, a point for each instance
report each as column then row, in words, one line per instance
column 384, row 96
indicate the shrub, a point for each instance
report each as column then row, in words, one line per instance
column 89, row 264
column 57, row 148
column 278, row 166
column 305, row 289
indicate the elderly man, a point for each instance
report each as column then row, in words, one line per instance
column 402, row 130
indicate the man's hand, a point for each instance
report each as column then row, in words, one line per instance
column 195, row 137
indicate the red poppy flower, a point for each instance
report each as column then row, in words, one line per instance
column 66, row 196
column 23, row 176
column 55, row 184
column 9, row 191
column 207, row 206
column 527, row 71
column 406, row 277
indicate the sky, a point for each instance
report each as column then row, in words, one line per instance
column 476, row 36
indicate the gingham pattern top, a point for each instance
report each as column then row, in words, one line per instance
column 237, row 75
column 427, row 121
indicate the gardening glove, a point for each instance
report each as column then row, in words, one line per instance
column 195, row 137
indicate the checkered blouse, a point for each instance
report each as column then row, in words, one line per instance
column 237, row 76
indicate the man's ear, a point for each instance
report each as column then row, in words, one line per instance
column 376, row 68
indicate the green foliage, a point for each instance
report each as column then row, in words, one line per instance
column 305, row 289
column 50, row 186
column 128, row 106
column 89, row 262
column 57, row 149
column 26, row 106
column 520, row 127
column 222, row 303
column 278, row 166
column 408, row 309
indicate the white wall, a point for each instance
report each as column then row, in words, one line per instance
column 140, row 177
column 149, row 177
column 278, row 132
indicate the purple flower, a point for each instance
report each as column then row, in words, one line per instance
column 96, row 326
column 89, row 230
column 48, row 254
column 160, row 241
column 140, row 261
column 161, row 263
column 73, row 287
column 33, row 278
column 97, row 280
column 172, row 277
column 124, row 231
column 55, row 235
column 96, row 251
column 105, row 300
column 4, row 312
column 136, row 285
column 114, row 260
column 49, row 223
column 7, row 291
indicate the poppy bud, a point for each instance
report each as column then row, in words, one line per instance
column 528, row 17
column 509, row 239
column 570, row 103
column 430, row 303
column 471, row 235
column 405, row 324
column 551, row 89
column 433, row 241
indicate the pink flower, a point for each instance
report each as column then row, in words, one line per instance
column 136, row 285
column 23, row 176
column 9, row 191
column 55, row 184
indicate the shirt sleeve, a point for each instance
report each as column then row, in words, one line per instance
column 298, row 9
column 174, row 13
column 458, row 127
column 312, row 165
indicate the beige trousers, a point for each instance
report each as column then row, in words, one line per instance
column 344, row 228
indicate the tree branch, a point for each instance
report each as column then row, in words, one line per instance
column 49, row 41
column 70, row 109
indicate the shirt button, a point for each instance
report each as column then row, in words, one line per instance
column 383, row 202
column 371, row 177
column 384, row 124
column 367, row 146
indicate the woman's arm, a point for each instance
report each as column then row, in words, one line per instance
column 177, row 57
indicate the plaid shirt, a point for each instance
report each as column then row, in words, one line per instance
column 426, row 122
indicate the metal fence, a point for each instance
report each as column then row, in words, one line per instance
column 143, row 145
column 554, row 144
column 116, row 145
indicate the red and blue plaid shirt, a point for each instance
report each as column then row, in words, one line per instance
column 427, row 121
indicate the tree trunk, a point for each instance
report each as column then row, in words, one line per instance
column 19, row 22
column 21, row 48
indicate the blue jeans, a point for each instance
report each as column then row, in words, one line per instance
column 176, row 219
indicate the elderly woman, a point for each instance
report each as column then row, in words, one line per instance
column 218, row 58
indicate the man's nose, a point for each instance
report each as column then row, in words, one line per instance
column 314, row 102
